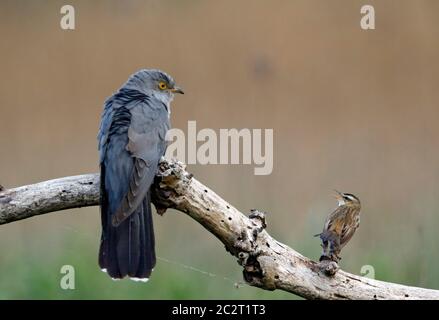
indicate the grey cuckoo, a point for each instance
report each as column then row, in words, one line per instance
column 131, row 141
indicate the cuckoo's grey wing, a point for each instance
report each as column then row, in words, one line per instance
column 146, row 145
column 131, row 149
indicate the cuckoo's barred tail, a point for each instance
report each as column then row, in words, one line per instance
column 128, row 249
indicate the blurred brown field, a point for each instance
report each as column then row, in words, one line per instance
column 351, row 109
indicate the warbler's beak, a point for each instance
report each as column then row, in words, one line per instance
column 177, row 90
column 338, row 194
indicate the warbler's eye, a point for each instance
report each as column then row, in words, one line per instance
column 162, row 85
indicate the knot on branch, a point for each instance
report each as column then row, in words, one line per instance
column 170, row 180
column 173, row 171
column 328, row 267
column 249, row 249
column 259, row 215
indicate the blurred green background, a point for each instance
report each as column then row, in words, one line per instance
column 351, row 109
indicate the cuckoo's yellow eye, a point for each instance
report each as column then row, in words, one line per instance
column 162, row 85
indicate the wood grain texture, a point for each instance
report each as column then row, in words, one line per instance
column 267, row 263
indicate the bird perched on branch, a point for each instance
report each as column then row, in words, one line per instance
column 131, row 141
column 340, row 226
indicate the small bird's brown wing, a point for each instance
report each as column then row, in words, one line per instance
column 346, row 235
column 335, row 221
column 351, row 225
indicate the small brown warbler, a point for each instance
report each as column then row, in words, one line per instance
column 340, row 226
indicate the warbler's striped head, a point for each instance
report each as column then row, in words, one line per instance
column 346, row 199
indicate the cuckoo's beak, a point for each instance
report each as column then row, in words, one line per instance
column 177, row 90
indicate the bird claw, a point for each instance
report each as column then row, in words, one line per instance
column 161, row 211
column 335, row 257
